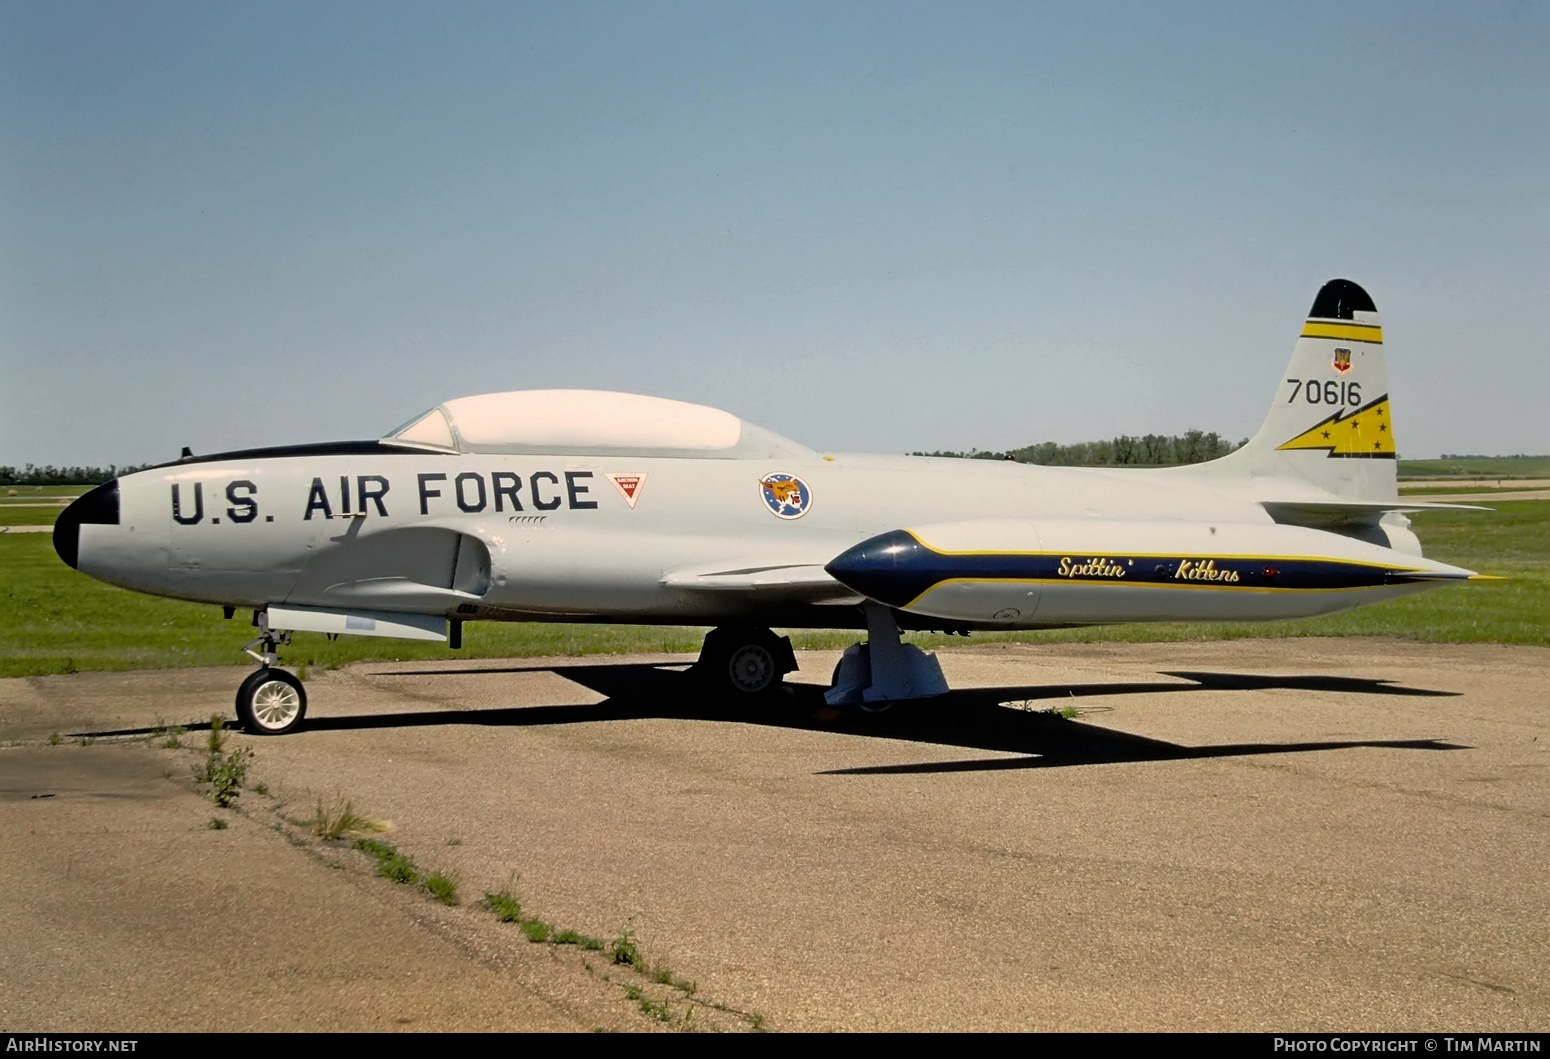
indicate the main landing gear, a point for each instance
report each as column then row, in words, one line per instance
column 270, row 701
column 746, row 660
column 749, row 661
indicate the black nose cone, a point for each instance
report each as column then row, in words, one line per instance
column 97, row 508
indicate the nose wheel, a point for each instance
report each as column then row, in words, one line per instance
column 271, row 702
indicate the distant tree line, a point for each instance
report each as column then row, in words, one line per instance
column 48, row 474
column 1149, row 450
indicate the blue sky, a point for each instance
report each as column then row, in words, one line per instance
column 876, row 227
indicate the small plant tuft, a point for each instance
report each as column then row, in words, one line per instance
column 217, row 824
column 334, row 820
column 536, row 930
column 657, row 1009
column 170, row 735
column 391, row 864
column 623, row 950
column 54, row 739
column 215, row 738
column 225, row 773
column 442, row 887
column 504, row 904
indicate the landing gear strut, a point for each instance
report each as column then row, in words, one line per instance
column 744, row 659
column 270, row 701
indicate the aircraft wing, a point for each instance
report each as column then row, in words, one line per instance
column 806, row 582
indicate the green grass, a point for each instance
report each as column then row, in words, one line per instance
column 443, row 887
column 20, row 515
column 391, row 864
column 1478, row 467
column 1421, row 490
column 504, row 904
column 333, row 820
column 57, row 620
column 40, row 492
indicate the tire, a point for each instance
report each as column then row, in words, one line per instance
column 271, row 702
column 751, row 669
column 747, row 661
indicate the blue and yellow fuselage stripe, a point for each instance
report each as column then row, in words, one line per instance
column 898, row 568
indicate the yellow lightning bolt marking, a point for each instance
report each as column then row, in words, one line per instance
column 1363, row 432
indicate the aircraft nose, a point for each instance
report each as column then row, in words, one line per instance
column 98, row 508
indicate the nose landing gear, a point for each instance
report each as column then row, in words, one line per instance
column 270, row 701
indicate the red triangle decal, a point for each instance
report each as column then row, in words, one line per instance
column 629, row 486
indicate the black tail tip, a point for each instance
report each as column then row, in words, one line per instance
column 1339, row 298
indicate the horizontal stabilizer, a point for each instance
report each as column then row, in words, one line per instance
column 1329, row 514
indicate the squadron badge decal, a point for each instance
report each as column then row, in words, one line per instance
column 1342, row 361
column 786, row 495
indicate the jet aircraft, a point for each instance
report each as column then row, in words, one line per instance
column 588, row 506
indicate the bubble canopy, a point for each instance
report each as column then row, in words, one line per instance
column 591, row 422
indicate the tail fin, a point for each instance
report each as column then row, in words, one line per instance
column 1330, row 423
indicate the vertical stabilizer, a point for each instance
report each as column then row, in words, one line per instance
column 1330, row 423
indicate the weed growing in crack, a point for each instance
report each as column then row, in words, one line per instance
column 581, row 941
column 442, row 887
column 225, row 773
column 504, row 904
column 657, row 1009
column 623, row 950
column 391, row 864
column 334, row 820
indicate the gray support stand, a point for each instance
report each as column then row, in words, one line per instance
column 884, row 670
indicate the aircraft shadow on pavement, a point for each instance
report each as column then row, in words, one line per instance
column 971, row 718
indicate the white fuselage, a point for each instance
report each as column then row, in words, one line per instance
column 553, row 537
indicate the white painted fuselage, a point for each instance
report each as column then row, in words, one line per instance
column 552, row 537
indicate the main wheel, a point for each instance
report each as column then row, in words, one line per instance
column 751, row 669
column 271, row 702
column 745, row 660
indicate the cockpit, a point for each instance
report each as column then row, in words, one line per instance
column 589, row 422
